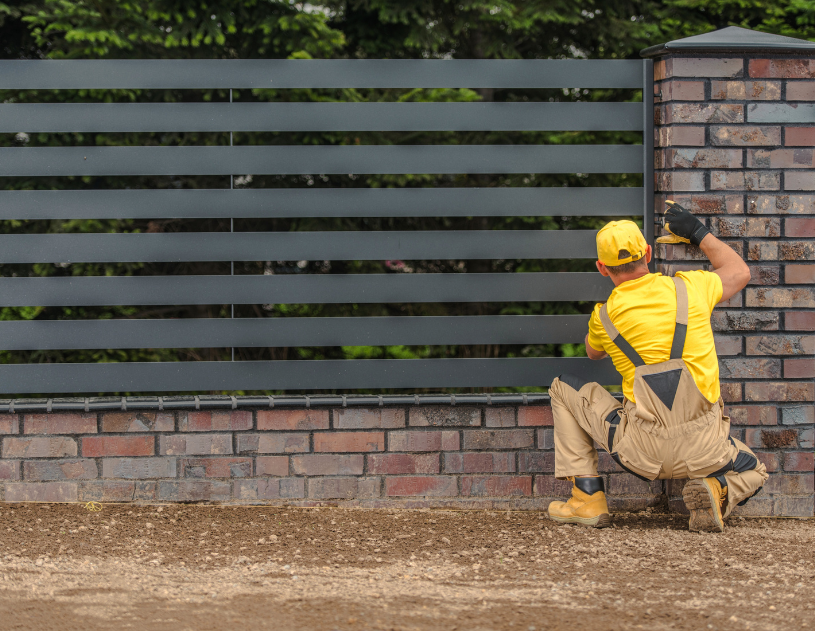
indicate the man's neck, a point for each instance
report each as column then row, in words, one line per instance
column 619, row 279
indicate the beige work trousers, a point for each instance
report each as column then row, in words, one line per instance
column 581, row 412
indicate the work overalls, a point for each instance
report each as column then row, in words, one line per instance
column 672, row 432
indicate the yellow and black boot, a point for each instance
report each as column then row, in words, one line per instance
column 586, row 506
column 704, row 499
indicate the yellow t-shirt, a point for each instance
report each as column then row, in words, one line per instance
column 644, row 312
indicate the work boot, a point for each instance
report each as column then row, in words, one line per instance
column 586, row 506
column 704, row 499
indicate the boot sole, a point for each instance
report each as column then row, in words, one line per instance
column 700, row 502
column 601, row 521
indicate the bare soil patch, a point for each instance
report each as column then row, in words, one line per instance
column 208, row 567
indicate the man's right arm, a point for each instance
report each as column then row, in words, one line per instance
column 727, row 265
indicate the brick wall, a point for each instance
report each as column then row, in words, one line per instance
column 735, row 143
column 460, row 456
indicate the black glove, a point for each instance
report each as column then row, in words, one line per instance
column 680, row 222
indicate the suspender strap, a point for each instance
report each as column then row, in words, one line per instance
column 618, row 340
column 681, row 329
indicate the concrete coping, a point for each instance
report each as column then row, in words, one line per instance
column 732, row 39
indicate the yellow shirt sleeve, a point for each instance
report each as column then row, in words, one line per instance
column 597, row 333
column 707, row 284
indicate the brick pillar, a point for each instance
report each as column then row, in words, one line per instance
column 735, row 143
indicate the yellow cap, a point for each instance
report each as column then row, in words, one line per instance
column 616, row 236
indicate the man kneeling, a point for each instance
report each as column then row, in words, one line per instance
column 670, row 425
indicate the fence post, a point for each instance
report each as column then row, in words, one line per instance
column 734, row 128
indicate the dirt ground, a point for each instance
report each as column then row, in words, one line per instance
column 207, row 567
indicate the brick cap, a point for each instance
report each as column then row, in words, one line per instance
column 731, row 39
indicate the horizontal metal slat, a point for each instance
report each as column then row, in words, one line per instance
column 298, row 375
column 321, row 202
column 286, row 117
column 319, row 73
column 269, row 332
column 297, row 246
column 295, row 159
column 302, row 289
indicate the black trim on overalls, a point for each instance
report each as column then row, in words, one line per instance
column 613, row 419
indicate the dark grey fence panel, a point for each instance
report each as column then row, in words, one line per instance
column 283, row 73
column 298, row 375
column 271, row 332
column 321, row 202
column 298, row 246
column 182, row 117
column 301, row 289
column 295, row 160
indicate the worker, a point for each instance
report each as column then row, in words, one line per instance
column 670, row 425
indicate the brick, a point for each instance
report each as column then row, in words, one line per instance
column 746, row 90
column 781, row 204
column 328, row 464
column 737, row 433
column 781, row 69
column 44, row 470
column 9, row 469
column 799, row 227
column 279, row 488
column 396, row 464
column 765, row 275
column 123, row 422
column 209, row 421
column 799, row 461
column 727, row 321
column 769, row 460
column 59, row 423
column 798, row 415
column 799, row 136
column 745, row 180
column 289, row 420
column 423, row 441
column 788, row 484
column 194, row 491
column 781, row 298
column 216, row 467
column 781, row 345
column 680, row 136
column 116, row 491
column 546, row 438
column 272, row 443
column 549, row 486
column 726, row 227
column 536, row 462
column 681, row 181
column 799, row 274
column 499, row 417
column 734, row 302
column 767, row 438
column 755, row 507
column 445, row 416
column 744, row 136
column 744, row 368
column 708, row 204
column 682, row 91
column 195, row 445
column 272, row 465
column 9, row 424
column 806, row 438
column 361, row 418
column 41, row 492
column 426, row 486
column 704, row 67
column 780, row 112
column 799, row 321
column 701, row 113
column 780, row 158
column 138, row 468
column 793, row 506
column 799, row 180
column 349, row 441
column 496, row 485
column 499, row 439
column 627, row 484
column 779, row 391
column 40, row 447
column 731, row 392
column 479, row 462
column 799, row 368
column 752, row 415
column 535, row 416
column 343, row 488
column 800, row 91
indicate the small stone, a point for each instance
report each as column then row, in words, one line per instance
column 772, row 607
column 287, row 567
column 148, row 525
column 733, row 619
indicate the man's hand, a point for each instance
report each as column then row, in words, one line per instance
column 683, row 226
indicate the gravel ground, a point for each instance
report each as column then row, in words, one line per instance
column 207, row 567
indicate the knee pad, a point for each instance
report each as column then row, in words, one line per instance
column 572, row 381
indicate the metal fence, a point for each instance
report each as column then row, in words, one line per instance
column 349, row 202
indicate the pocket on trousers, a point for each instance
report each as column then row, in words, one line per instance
column 637, row 460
